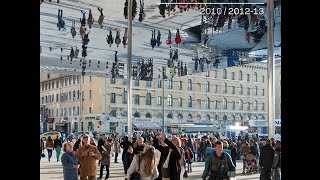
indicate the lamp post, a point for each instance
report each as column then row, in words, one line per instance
column 129, row 71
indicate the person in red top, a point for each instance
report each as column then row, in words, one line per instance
column 189, row 157
column 178, row 37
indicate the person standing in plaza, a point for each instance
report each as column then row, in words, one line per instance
column 70, row 163
column 276, row 166
column 129, row 157
column 88, row 155
column 49, row 146
column 57, row 145
column 125, row 145
column 106, row 157
column 116, row 149
column 266, row 160
column 139, row 145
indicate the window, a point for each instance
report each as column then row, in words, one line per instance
column 112, row 80
column 255, row 105
column 262, row 108
column 57, row 83
column 248, row 106
column 255, row 90
column 248, row 77
column 46, row 86
column 148, row 115
column 233, row 89
column 70, row 96
column 217, row 117
column 216, row 74
column 159, row 84
column 42, row 100
column 49, row 98
column 136, row 99
column 159, row 100
column 66, row 82
column 52, row 84
column 216, row 104
column 90, row 78
column 52, row 98
column 136, row 114
column 169, row 100
column 189, row 85
column 225, row 88
column 57, row 97
column 224, row 103
column 70, row 79
column 263, row 78
column 240, row 105
column 216, row 89
column 189, row 101
column 113, row 98
column 180, row 102
column 49, row 85
column 255, row 77
column 207, row 86
column 148, row 83
column 73, row 111
column 70, row 112
column 46, row 99
column 208, row 103
column 78, row 79
column 49, row 113
column 62, row 82
column 240, row 90
column 73, row 80
column 136, row 82
column 42, row 87
column 90, row 110
column 180, row 85
column 248, row 91
column 240, row 75
column 57, row 112
column 124, row 81
column 90, row 94
column 81, row 126
column 148, row 99
column 224, row 74
column 169, row 83
column 78, row 110
column 207, row 73
column 232, row 76
column 262, row 92
column 65, row 112
column 78, row 95
column 233, row 104
column 74, row 95
column 124, row 97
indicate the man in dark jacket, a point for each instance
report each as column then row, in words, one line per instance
column 125, row 145
column 174, row 159
column 266, row 160
column 138, row 146
column 276, row 166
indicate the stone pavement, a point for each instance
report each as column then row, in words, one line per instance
column 53, row 170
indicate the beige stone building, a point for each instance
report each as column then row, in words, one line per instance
column 192, row 103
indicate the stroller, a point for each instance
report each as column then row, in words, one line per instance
column 251, row 164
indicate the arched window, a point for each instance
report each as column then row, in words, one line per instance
column 232, row 76
column 208, row 103
column 136, row 114
column 225, row 117
column 240, row 89
column 189, row 101
column 224, row 74
column 255, row 105
column 148, row 115
column 224, row 102
column 207, row 86
column 240, row 75
column 240, row 104
column 225, row 87
column 189, row 85
column 248, row 106
column 90, row 126
column 179, row 102
column 255, row 77
column 207, row 117
column 248, row 77
column 233, row 105
column 169, row 100
column 148, row 99
column 170, row 116
column 216, row 104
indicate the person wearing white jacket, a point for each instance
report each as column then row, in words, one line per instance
column 145, row 163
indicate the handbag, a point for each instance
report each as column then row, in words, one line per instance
column 136, row 174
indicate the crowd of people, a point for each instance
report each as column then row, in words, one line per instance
column 159, row 157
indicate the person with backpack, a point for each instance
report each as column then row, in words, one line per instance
column 83, row 20
column 219, row 165
column 110, row 38
column 101, row 17
column 73, row 29
column 153, row 39
column 90, row 19
column 169, row 41
column 178, row 38
column 125, row 37
column 61, row 24
column 117, row 39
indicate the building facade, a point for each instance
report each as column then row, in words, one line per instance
column 216, row 98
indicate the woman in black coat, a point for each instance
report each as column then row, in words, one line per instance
column 234, row 153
